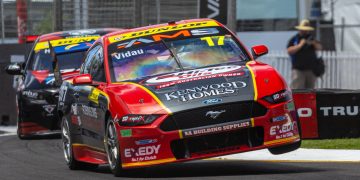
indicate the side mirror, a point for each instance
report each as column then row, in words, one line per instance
column 13, row 69
column 259, row 50
column 82, row 79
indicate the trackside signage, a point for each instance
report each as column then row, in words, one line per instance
column 338, row 113
column 328, row 114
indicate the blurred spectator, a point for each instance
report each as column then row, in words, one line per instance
column 302, row 50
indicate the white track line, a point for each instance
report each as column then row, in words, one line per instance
column 300, row 155
column 9, row 130
column 7, row 134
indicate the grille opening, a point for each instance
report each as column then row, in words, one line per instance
column 220, row 142
column 197, row 117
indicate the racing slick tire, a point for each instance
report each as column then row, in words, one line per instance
column 71, row 162
column 18, row 131
column 112, row 149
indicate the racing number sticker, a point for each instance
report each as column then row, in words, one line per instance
column 209, row 40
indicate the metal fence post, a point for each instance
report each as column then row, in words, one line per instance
column 158, row 11
column 342, row 33
column 2, row 23
column 85, row 15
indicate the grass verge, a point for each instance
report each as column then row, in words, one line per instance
column 351, row 143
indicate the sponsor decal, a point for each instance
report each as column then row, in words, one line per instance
column 49, row 109
column 146, row 141
column 204, row 31
column 64, row 42
column 30, row 94
column 62, row 94
column 94, row 95
column 280, row 118
column 205, row 91
column 74, row 109
column 126, row 133
column 216, row 128
column 212, row 101
column 284, row 130
column 159, row 37
column 214, row 114
column 304, row 112
column 196, row 73
column 199, row 78
column 280, row 95
column 183, row 33
column 89, row 111
column 340, row 111
column 68, row 47
column 38, row 101
column 143, row 153
column 290, row 106
column 159, row 30
column 138, row 118
column 127, row 54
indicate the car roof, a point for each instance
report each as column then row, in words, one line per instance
column 76, row 33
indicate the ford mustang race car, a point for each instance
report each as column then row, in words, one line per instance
column 38, row 93
column 170, row 93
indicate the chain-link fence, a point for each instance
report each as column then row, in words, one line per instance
column 44, row 16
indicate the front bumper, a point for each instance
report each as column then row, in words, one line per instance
column 151, row 145
column 38, row 116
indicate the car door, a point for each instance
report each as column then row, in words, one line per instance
column 86, row 102
column 91, row 99
column 97, row 101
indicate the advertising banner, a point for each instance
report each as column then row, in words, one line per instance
column 214, row 9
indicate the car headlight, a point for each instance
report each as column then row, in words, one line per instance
column 281, row 96
column 137, row 120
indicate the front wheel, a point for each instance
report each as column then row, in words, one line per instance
column 112, row 148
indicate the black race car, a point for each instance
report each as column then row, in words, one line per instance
column 37, row 94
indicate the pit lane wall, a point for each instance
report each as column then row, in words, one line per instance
column 328, row 113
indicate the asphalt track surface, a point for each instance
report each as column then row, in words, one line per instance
column 43, row 159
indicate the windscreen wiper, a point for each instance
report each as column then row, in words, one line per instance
column 173, row 55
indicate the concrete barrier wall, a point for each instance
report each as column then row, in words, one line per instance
column 8, row 112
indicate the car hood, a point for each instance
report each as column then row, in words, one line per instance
column 191, row 89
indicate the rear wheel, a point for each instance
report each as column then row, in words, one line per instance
column 72, row 163
column 112, row 148
column 18, row 131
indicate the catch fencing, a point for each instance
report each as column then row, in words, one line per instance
column 341, row 68
column 45, row 16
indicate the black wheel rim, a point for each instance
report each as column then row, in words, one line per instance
column 111, row 144
column 65, row 132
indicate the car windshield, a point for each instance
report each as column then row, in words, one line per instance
column 42, row 60
column 164, row 57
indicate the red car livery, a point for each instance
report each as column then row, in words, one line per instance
column 170, row 93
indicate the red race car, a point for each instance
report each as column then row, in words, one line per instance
column 171, row 93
